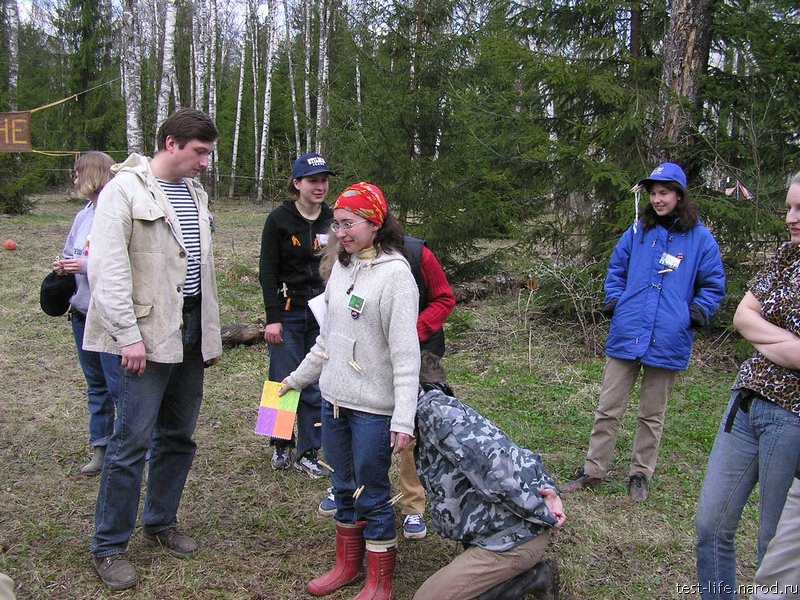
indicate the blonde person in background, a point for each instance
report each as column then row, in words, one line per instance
column 101, row 370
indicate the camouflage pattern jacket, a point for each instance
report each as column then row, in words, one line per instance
column 482, row 488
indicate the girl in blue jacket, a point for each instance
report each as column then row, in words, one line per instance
column 665, row 278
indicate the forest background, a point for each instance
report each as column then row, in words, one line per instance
column 479, row 118
column 508, row 134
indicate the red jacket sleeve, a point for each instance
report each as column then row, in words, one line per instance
column 441, row 300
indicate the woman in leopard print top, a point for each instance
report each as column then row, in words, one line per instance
column 759, row 439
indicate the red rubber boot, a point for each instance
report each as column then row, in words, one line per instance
column 380, row 576
column 349, row 556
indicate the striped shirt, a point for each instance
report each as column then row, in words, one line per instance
column 184, row 206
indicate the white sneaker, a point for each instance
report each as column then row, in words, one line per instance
column 414, row 527
column 309, row 465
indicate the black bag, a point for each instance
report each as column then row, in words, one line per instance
column 56, row 292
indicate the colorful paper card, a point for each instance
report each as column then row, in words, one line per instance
column 276, row 414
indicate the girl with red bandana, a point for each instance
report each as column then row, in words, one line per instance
column 367, row 361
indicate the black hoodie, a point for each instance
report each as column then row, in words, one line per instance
column 290, row 254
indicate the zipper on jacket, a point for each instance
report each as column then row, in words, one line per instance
column 311, row 244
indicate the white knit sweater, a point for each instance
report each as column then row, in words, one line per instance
column 370, row 363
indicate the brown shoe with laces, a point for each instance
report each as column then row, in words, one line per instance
column 582, row 482
column 115, row 571
column 176, row 543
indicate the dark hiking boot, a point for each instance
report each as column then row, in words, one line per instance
column 115, row 571
column 583, row 482
column 638, row 488
column 541, row 581
column 176, row 543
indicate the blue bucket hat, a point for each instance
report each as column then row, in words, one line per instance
column 310, row 163
column 666, row 172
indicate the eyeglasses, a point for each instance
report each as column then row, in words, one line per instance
column 346, row 226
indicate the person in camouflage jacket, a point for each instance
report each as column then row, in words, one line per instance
column 488, row 493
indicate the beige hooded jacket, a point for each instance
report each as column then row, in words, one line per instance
column 137, row 268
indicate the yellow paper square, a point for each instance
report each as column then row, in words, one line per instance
column 269, row 395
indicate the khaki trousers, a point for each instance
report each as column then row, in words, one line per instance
column 413, row 501
column 618, row 379
column 779, row 573
column 476, row 570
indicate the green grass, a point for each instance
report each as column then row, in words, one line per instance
column 260, row 535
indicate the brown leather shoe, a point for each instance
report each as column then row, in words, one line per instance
column 116, row 571
column 638, row 488
column 176, row 543
column 583, row 482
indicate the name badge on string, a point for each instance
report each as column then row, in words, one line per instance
column 356, row 305
column 669, row 262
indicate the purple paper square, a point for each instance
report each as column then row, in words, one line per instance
column 266, row 421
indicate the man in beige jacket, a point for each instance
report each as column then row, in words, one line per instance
column 154, row 302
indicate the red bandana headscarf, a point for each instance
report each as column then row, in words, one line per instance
column 366, row 201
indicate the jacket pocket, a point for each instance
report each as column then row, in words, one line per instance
column 142, row 310
column 148, row 227
column 340, row 376
column 342, row 353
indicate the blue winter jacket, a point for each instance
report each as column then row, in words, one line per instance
column 651, row 321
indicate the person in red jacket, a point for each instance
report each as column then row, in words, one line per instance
column 436, row 303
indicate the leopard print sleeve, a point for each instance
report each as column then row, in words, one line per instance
column 764, row 280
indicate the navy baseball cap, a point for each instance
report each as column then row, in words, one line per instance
column 309, row 164
column 666, row 172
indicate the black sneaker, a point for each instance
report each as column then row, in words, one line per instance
column 281, row 458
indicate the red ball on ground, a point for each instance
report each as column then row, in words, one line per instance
column 10, row 245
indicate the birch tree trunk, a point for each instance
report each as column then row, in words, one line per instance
column 192, row 72
column 416, row 41
column 291, row 77
column 133, row 79
column 686, row 49
column 106, row 15
column 307, row 72
column 267, row 100
column 13, row 52
column 253, row 13
column 152, row 42
column 198, row 26
column 212, row 86
column 322, row 69
column 358, row 90
column 237, row 123
column 167, row 65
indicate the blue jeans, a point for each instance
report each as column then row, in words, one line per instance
column 161, row 406
column 357, row 446
column 762, row 447
column 300, row 331
column 101, row 371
